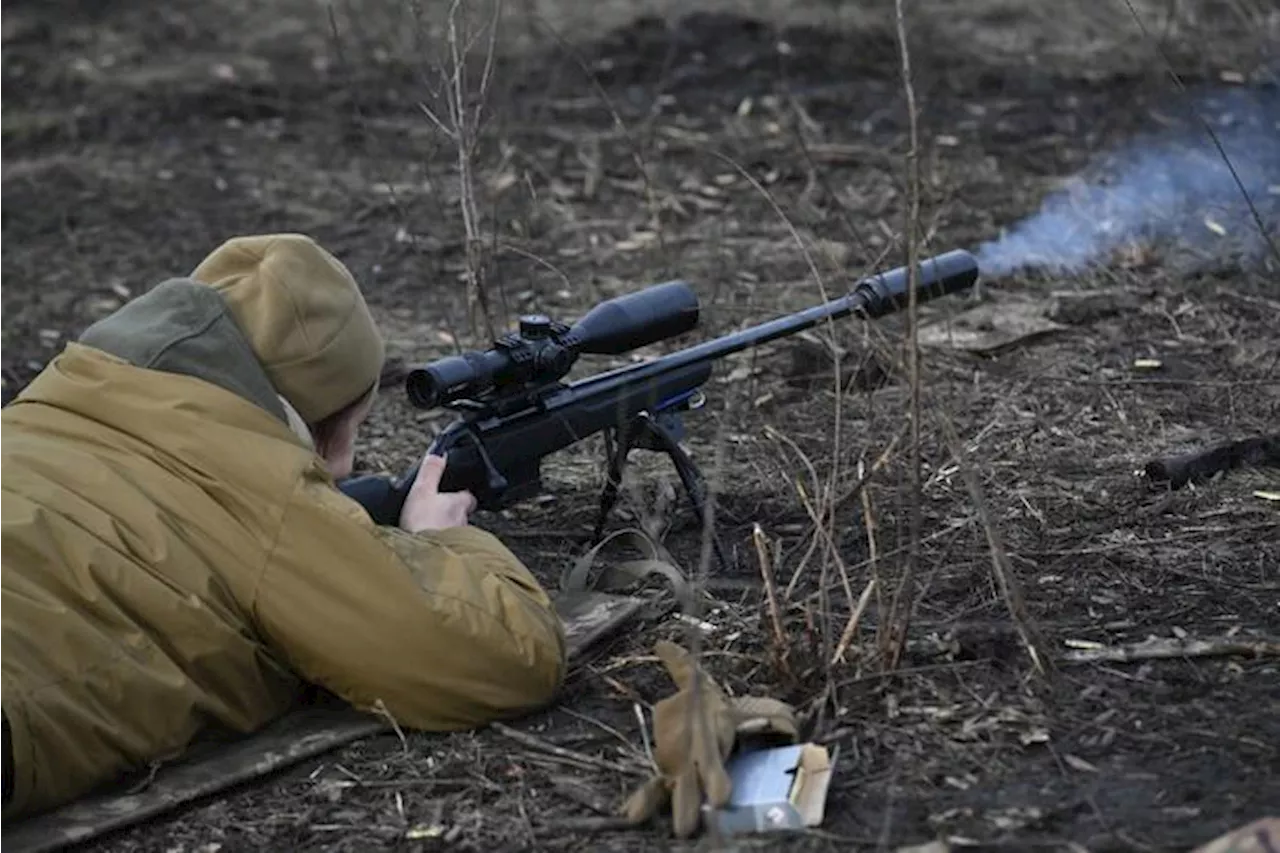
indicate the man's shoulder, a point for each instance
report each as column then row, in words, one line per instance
column 316, row 499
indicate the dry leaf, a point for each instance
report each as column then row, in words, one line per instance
column 1034, row 736
column 638, row 240
column 503, row 181
column 835, row 251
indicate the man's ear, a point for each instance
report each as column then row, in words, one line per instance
column 341, row 427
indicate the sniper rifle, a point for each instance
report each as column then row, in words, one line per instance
column 515, row 409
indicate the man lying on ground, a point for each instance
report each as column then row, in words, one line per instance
column 176, row 555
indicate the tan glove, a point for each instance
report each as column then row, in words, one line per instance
column 694, row 732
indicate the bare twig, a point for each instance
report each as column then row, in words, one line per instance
column 1010, row 589
column 854, row 618
column 816, row 539
column 400, row 207
column 644, row 733
column 864, row 476
column 534, row 742
column 603, row 726
column 893, row 641
column 825, row 532
column 380, row 709
column 873, row 585
column 780, row 646
column 1163, row 648
column 465, row 132
column 821, row 533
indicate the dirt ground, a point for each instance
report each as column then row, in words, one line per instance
column 748, row 155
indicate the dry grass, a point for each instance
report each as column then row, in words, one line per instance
column 991, row 495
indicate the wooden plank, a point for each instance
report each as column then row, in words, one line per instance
column 305, row 733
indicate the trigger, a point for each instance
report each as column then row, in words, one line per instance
column 495, row 482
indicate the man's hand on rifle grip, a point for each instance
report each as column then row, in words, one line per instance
column 427, row 508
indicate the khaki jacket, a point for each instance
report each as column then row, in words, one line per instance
column 176, row 558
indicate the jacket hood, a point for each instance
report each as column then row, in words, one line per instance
column 163, row 366
column 183, row 326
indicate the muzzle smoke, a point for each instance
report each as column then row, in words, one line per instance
column 1170, row 190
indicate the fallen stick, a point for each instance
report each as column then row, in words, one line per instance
column 1199, row 465
column 1166, row 648
column 572, row 756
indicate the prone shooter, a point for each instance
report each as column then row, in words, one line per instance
column 185, row 551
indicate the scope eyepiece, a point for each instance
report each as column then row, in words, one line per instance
column 470, row 374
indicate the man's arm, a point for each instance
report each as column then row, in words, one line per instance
column 446, row 628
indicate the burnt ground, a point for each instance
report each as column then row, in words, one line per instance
column 747, row 157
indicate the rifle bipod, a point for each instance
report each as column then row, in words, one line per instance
column 660, row 434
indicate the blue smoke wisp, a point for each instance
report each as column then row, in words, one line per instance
column 1172, row 188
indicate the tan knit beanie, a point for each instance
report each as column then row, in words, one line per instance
column 304, row 317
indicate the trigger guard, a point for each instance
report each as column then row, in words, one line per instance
column 493, row 492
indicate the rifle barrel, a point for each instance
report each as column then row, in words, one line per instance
column 874, row 296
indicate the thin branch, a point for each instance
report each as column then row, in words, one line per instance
column 1161, row 648
column 1010, row 589
column 899, row 615
column 780, row 645
column 537, row 743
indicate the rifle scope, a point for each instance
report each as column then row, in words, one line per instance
column 542, row 350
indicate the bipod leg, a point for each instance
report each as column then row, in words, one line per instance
column 618, row 453
column 652, row 435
